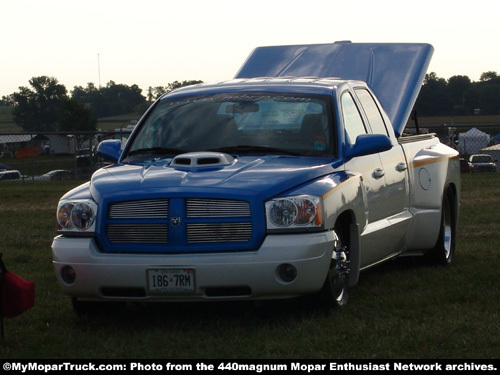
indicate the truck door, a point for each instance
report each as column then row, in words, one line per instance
column 385, row 188
column 369, row 166
column 373, row 245
column 395, row 172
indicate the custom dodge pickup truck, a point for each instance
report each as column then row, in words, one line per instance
column 289, row 179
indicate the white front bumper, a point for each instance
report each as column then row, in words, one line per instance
column 256, row 271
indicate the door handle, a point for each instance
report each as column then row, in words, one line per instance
column 401, row 167
column 378, row 173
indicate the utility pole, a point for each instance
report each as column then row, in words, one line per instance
column 99, row 69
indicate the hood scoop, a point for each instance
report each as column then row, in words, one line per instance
column 201, row 159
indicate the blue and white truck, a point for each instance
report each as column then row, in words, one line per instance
column 289, row 179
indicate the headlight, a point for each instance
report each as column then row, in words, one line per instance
column 77, row 216
column 300, row 212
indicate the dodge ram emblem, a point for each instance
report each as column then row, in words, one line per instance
column 175, row 221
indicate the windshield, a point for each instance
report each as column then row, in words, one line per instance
column 482, row 159
column 236, row 123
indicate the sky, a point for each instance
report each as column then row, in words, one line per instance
column 153, row 42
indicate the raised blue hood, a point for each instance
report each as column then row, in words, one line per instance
column 394, row 71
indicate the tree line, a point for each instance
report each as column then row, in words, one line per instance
column 46, row 104
column 459, row 95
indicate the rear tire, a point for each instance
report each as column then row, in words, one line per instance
column 444, row 250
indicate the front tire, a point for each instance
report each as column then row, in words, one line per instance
column 335, row 290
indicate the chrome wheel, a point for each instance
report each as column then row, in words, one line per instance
column 341, row 263
column 447, row 228
column 444, row 250
column 335, row 291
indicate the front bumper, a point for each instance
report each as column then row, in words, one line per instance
column 218, row 276
column 484, row 168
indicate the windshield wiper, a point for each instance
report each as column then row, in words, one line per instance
column 248, row 149
column 163, row 151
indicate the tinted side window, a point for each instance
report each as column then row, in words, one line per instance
column 353, row 122
column 372, row 112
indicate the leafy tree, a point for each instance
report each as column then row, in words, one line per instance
column 433, row 98
column 37, row 108
column 75, row 116
column 489, row 76
column 459, row 96
column 92, row 97
column 488, row 89
column 155, row 92
column 7, row 100
column 489, row 99
column 114, row 99
column 457, row 89
column 122, row 98
column 176, row 84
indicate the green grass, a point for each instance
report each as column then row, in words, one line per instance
column 403, row 309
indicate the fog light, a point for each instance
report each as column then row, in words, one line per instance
column 68, row 274
column 287, row 272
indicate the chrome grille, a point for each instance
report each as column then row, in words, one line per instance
column 188, row 221
column 218, row 232
column 217, row 208
column 143, row 209
column 138, row 233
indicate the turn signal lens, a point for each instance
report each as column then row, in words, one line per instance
column 307, row 211
column 64, row 215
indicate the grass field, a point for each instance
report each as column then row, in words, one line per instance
column 403, row 309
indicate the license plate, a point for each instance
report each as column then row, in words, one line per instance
column 171, row 281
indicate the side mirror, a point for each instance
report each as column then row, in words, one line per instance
column 367, row 144
column 110, row 150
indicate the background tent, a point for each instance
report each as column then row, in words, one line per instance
column 473, row 141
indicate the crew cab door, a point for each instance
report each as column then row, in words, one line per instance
column 394, row 164
column 385, row 186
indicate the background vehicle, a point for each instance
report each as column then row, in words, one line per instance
column 55, row 175
column 482, row 163
column 10, row 175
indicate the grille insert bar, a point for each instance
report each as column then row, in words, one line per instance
column 143, row 209
column 214, row 208
column 218, row 232
column 138, row 233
